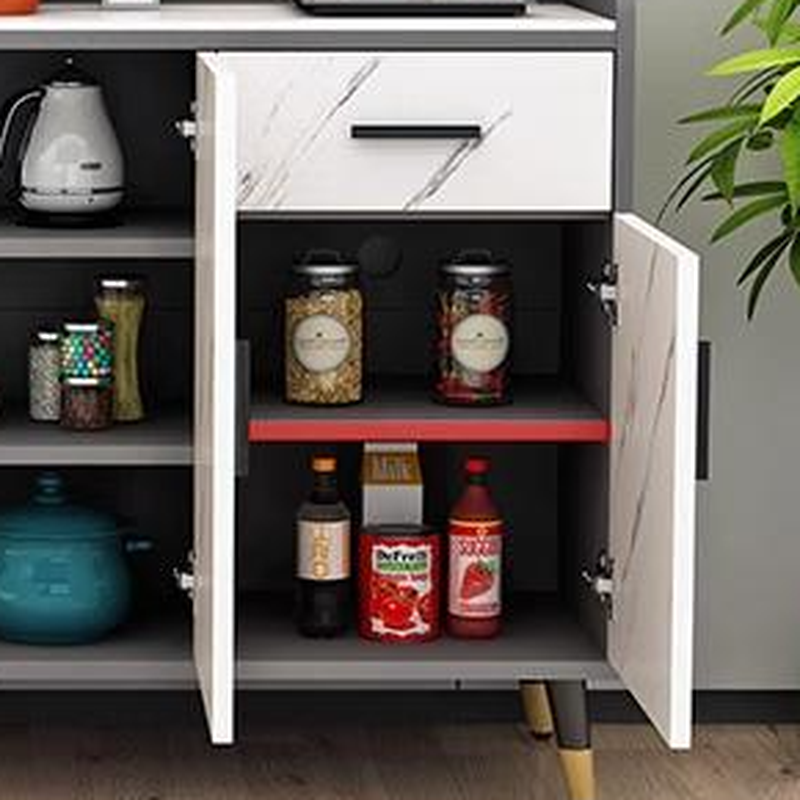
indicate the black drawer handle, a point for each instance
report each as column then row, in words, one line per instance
column 378, row 131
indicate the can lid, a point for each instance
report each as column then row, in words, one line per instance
column 323, row 464
column 477, row 466
column 398, row 530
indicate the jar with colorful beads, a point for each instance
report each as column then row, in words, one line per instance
column 87, row 350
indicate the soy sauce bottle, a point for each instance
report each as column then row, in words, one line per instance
column 323, row 556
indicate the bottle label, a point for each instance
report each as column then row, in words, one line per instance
column 323, row 550
column 476, row 551
column 321, row 343
column 480, row 342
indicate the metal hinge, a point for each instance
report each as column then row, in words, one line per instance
column 605, row 290
column 601, row 581
column 184, row 578
column 187, row 128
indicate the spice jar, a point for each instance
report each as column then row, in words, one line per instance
column 473, row 320
column 44, row 377
column 86, row 404
column 121, row 302
column 87, row 350
column 324, row 332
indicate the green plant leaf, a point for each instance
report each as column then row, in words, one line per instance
column 752, row 189
column 754, row 84
column 723, row 172
column 780, row 11
column 745, row 10
column 757, row 60
column 785, row 92
column 779, row 243
column 704, row 165
column 794, row 259
column 719, row 137
column 761, row 141
column 723, row 112
column 790, row 34
column 790, row 155
column 761, row 279
column 746, row 214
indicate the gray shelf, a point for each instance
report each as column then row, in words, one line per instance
column 142, row 235
column 540, row 640
column 164, row 441
column 155, row 654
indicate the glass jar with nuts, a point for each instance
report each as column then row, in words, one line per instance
column 324, row 332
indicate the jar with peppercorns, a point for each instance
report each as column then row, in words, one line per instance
column 473, row 324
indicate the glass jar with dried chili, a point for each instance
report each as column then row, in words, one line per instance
column 473, row 322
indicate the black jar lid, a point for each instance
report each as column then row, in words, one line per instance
column 325, row 264
column 398, row 531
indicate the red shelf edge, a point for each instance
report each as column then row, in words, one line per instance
column 595, row 431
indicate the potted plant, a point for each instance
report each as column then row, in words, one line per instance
column 761, row 117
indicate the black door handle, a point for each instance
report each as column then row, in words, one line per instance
column 704, row 412
column 433, row 131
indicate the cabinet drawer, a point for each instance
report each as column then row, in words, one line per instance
column 425, row 132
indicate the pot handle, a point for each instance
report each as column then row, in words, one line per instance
column 36, row 94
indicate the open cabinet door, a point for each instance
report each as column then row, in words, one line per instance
column 215, row 398
column 652, row 525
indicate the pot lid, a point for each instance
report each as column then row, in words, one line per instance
column 49, row 515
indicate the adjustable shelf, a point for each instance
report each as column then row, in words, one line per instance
column 163, row 441
column 542, row 411
column 142, row 235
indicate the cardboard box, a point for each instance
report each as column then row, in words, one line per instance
column 391, row 478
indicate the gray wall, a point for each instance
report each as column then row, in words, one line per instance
column 749, row 515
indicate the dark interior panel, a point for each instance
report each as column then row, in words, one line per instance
column 36, row 294
column 159, row 163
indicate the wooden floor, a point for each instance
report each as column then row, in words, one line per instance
column 467, row 762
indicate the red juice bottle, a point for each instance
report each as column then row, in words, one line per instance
column 475, row 542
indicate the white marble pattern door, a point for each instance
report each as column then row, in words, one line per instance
column 542, row 131
column 653, row 462
column 215, row 399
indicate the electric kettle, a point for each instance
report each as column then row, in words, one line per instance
column 71, row 164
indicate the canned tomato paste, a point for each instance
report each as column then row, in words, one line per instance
column 399, row 583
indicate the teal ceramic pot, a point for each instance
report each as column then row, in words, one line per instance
column 63, row 575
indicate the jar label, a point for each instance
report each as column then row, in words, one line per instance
column 480, row 342
column 476, row 550
column 321, row 343
column 323, row 550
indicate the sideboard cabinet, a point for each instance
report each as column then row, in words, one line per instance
column 402, row 142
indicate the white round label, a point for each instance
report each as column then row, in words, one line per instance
column 480, row 342
column 321, row 343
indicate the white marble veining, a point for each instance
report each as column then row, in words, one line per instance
column 282, row 16
column 652, row 529
column 546, row 120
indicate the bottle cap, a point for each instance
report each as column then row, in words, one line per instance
column 477, row 466
column 324, row 464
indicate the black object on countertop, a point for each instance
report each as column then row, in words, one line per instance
column 414, row 8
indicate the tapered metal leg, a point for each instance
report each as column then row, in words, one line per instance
column 573, row 733
column 537, row 709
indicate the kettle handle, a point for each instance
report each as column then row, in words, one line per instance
column 35, row 94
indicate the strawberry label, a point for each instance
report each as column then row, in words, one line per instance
column 476, row 551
